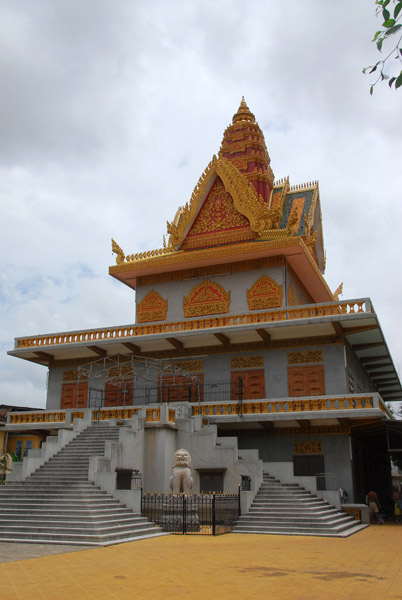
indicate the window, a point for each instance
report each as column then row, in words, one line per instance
column 28, row 446
column 211, row 481
column 18, row 448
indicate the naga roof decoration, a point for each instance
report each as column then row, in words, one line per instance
column 236, row 200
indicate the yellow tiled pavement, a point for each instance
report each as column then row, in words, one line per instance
column 235, row 566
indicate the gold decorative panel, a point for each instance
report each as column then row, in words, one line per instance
column 264, row 293
column 218, row 221
column 192, row 366
column 152, row 308
column 123, row 371
column 247, row 362
column 314, row 447
column 306, row 356
column 72, row 376
column 206, row 298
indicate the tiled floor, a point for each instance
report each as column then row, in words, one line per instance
column 235, row 566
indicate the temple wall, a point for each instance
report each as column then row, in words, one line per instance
column 295, row 288
column 236, row 283
column 218, row 368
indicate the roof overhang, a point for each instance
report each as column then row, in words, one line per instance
column 293, row 249
column 359, row 329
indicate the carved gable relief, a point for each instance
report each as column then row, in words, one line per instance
column 206, row 298
column 264, row 293
column 218, row 221
column 152, row 308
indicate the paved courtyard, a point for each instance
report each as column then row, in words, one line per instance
column 235, row 566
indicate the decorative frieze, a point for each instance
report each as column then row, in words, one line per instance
column 206, row 298
column 191, row 366
column 212, row 270
column 247, row 362
column 72, row 376
column 305, row 356
column 311, row 447
column 153, row 307
column 122, row 371
column 264, row 293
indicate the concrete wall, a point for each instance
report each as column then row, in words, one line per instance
column 357, row 379
column 236, row 283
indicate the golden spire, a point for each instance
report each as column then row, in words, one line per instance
column 244, row 113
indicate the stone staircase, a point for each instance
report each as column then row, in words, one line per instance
column 288, row 509
column 58, row 505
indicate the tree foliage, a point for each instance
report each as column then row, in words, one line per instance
column 391, row 13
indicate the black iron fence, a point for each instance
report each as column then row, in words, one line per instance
column 199, row 514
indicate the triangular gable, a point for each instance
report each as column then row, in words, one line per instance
column 247, row 206
column 218, row 221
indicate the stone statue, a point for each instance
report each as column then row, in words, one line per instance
column 181, row 480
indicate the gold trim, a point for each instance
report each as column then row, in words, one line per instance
column 133, row 331
column 247, row 362
column 313, row 447
column 192, row 366
column 153, row 307
column 206, row 298
column 307, row 356
column 212, row 270
column 264, row 293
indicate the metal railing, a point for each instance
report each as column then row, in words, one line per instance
column 192, row 514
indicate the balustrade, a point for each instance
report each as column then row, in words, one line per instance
column 273, row 315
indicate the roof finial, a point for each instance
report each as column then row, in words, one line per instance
column 243, row 113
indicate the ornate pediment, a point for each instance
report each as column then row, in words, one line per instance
column 153, row 307
column 218, row 222
column 246, row 201
column 264, row 293
column 206, row 298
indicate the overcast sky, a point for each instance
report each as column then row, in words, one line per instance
column 111, row 110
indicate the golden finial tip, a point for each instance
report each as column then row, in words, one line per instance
column 243, row 113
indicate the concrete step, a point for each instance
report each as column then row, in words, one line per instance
column 291, row 510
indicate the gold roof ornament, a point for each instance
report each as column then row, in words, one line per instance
column 243, row 113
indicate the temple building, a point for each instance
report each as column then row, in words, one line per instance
column 240, row 351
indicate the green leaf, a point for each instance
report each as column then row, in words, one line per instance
column 384, row 76
column 398, row 82
column 371, row 90
column 379, row 44
column 373, row 69
column 386, row 14
column 391, row 81
column 389, row 23
column 392, row 30
column 376, row 36
column 397, row 9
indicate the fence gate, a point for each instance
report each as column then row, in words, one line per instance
column 201, row 514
